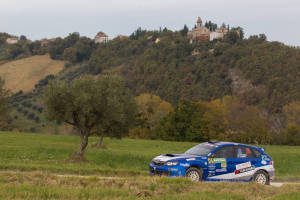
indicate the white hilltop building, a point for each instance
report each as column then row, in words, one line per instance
column 12, row 40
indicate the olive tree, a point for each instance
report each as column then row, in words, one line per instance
column 93, row 106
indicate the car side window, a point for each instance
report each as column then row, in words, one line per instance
column 225, row 152
column 244, row 152
column 256, row 153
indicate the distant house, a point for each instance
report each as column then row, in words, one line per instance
column 101, row 38
column 200, row 32
column 219, row 34
column 44, row 42
column 12, row 40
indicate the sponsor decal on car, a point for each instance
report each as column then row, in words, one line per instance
column 224, row 165
column 263, row 162
column 189, row 159
column 211, row 173
column 221, row 170
column 247, row 169
column 184, row 164
column 243, row 165
column 217, row 160
column 264, row 157
column 211, row 167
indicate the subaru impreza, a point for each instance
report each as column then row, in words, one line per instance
column 217, row 161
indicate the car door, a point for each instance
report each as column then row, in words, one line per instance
column 243, row 164
column 218, row 163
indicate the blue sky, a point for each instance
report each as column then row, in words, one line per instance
column 37, row 19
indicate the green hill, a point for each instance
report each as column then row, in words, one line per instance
column 175, row 69
column 166, row 63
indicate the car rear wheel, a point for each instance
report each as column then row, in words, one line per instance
column 261, row 177
column 194, row 174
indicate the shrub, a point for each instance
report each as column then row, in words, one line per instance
column 40, row 109
column 139, row 133
column 31, row 116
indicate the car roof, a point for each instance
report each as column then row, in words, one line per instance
column 222, row 143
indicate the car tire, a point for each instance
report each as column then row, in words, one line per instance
column 261, row 177
column 194, row 174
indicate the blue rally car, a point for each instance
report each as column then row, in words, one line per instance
column 217, row 161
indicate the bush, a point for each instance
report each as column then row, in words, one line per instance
column 25, row 112
column 32, row 130
column 139, row 133
column 40, row 109
column 31, row 116
column 37, row 119
column 293, row 134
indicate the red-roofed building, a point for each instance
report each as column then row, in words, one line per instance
column 101, row 38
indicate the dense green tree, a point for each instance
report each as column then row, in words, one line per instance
column 23, row 38
column 211, row 26
column 184, row 31
column 14, row 50
column 92, row 106
column 185, row 123
column 293, row 134
column 151, row 109
column 70, row 55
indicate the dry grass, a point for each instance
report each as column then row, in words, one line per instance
column 41, row 185
column 23, row 74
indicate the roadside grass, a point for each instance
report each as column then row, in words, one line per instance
column 126, row 157
column 41, row 185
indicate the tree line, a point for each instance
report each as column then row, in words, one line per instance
column 104, row 107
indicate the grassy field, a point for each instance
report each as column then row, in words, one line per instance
column 23, row 74
column 30, row 165
column 39, row 185
column 25, row 151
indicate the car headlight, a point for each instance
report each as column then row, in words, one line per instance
column 172, row 163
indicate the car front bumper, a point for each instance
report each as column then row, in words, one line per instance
column 170, row 171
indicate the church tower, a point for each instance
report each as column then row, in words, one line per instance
column 199, row 22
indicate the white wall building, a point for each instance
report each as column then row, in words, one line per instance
column 12, row 40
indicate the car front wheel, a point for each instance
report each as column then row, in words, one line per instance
column 261, row 177
column 194, row 174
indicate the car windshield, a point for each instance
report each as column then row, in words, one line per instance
column 201, row 149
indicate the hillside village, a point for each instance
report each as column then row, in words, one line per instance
column 199, row 32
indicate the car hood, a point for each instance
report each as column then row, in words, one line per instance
column 168, row 157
